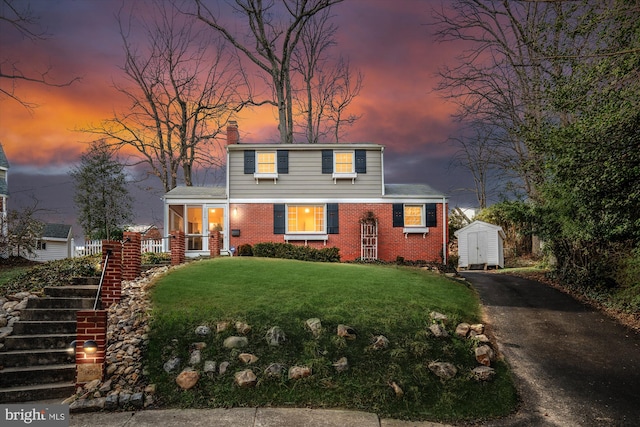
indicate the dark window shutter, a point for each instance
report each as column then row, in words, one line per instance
column 431, row 215
column 332, row 219
column 327, row 161
column 283, row 161
column 398, row 215
column 249, row 161
column 279, row 219
column 361, row 161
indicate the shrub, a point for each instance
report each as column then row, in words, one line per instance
column 245, row 250
column 155, row 258
column 302, row 253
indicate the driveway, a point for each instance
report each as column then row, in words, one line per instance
column 573, row 366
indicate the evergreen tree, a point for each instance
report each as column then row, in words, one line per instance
column 102, row 197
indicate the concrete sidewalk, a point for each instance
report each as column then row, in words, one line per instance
column 239, row 417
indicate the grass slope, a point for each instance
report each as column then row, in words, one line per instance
column 374, row 300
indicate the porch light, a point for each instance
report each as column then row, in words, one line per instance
column 71, row 348
column 90, row 346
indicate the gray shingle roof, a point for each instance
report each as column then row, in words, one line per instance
column 56, row 231
column 421, row 190
column 4, row 188
column 4, row 163
column 197, row 193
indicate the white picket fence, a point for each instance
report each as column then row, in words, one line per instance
column 92, row 247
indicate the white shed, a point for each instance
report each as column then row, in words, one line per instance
column 54, row 244
column 480, row 244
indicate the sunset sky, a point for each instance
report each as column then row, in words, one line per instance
column 389, row 41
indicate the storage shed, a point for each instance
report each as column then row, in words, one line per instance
column 54, row 244
column 480, row 245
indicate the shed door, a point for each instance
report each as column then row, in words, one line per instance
column 477, row 247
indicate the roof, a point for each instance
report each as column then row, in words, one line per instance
column 56, row 231
column 278, row 146
column 480, row 224
column 4, row 163
column 4, row 187
column 139, row 228
column 197, row 193
column 412, row 190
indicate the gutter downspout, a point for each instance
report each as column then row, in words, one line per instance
column 444, row 231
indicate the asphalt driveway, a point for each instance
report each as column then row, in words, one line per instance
column 573, row 366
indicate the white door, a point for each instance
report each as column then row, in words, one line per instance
column 477, row 247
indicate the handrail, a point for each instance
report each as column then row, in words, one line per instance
column 104, row 270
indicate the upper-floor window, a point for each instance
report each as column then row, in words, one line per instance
column 266, row 162
column 343, row 162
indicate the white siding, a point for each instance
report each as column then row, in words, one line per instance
column 494, row 243
column 55, row 250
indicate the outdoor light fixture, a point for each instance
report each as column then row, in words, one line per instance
column 90, row 346
column 71, row 349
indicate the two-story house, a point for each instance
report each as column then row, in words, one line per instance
column 312, row 194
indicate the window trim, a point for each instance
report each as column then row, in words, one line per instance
column 266, row 175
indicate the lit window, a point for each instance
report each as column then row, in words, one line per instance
column 305, row 219
column 413, row 215
column 266, row 162
column 343, row 162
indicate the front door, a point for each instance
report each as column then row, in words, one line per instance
column 216, row 221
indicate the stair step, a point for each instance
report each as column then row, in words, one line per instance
column 90, row 281
column 46, row 314
column 27, row 342
column 34, row 327
column 18, row 358
column 37, row 392
column 77, row 291
column 77, row 303
column 30, row 375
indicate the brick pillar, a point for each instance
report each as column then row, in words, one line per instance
column 214, row 244
column 91, row 325
column 177, row 243
column 111, row 285
column 131, row 257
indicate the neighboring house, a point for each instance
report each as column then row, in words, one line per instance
column 56, row 243
column 311, row 194
column 4, row 189
column 480, row 244
column 147, row 232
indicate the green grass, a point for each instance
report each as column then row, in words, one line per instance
column 9, row 274
column 374, row 300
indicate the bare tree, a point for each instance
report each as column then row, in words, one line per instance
column 182, row 89
column 274, row 32
column 24, row 22
column 503, row 77
column 344, row 89
column 23, row 231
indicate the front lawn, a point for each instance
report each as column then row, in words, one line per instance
column 374, row 300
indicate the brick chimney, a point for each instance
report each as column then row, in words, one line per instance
column 233, row 136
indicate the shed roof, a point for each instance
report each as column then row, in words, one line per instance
column 480, row 224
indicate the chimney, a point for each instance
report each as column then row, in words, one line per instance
column 233, row 136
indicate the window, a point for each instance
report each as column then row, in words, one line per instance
column 305, row 219
column 266, row 162
column 413, row 216
column 41, row 246
column 343, row 162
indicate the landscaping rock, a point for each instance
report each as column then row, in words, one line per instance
column 341, row 364
column 245, row 378
column 347, row 332
column 247, row 358
column 444, row 370
column 171, row 365
column 222, row 369
column 396, row 389
column 195, row 358
column 438, row 330
column 483, row 373
column 137, row 400
column 111, row 402
column 222, row 326
column 235, row 342
column 380, row 342
column 484, row 355
column 478, row 328
column 203, row 330
column 201, row 345
column 187, row 379
column 438, row 317
column 209, row 367
column 274, row 370
column 243, row 328
column 481, row 338
column 275, row 336
column 297, row 372
column 315, row 326
column 462, row 329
